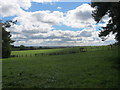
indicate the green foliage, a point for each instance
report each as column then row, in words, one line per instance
column 32, row 48
column 95, row 68
column 112, row 9
column 22, row 47
column 6, row 41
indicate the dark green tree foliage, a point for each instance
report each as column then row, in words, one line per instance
column 113, row 10
column 32, row 48
column 22, row 47
column 6, row 40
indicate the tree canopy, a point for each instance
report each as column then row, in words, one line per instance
column 112, row 10
column 6, row 40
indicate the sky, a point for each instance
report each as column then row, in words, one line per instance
column 53, row 23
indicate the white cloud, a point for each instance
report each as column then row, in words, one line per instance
column 59, row 7
column 48, row 17
column 37, row 22
column 104, row 21
column 9, row 8
column 14, row 7
column 85, row 34
column 59, row 37
column 26, row 4
column 80, row 17
column 40, row 17
column 36, row 28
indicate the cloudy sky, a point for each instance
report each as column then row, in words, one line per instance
column 53, row 23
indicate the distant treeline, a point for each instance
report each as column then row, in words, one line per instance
column 22, row 47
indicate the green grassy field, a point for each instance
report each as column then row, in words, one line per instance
column 95, row 68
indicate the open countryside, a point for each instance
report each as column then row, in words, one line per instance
column 59, row 44
column 93, row 67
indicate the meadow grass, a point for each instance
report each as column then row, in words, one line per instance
column 95, row 68
column 24, row 52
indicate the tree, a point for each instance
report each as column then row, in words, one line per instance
column 112, row 9
column 22, row 47
column 0, row 39
column 6, row 40
column 32, row 48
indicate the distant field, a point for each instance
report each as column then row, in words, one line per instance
column 95, row 68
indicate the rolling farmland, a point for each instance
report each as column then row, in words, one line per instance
column 94, row 67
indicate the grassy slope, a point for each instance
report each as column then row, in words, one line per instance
column 91, row 69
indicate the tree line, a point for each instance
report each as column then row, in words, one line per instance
column 23, row 47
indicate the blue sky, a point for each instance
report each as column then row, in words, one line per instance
column 53, row 6
column 54, row 23
column 66, row 6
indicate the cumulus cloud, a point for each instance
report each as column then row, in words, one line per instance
column 15, row 7
column 25, row 4
column 9, row 8
column 48, row 17
column 59, row 37
column 85, row 34
column 34, row 25
column 80, row 17
column 36, row 28
column 43, row 18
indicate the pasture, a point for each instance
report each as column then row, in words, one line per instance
column 96, row 67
